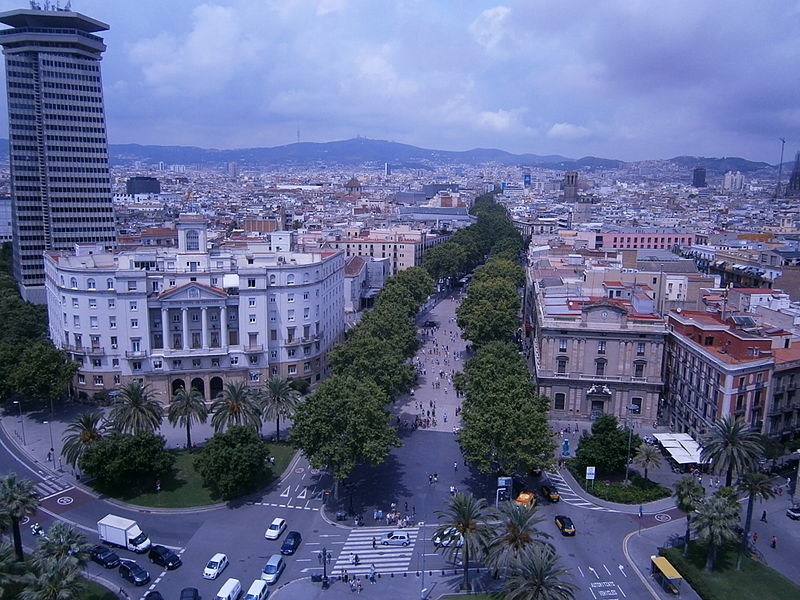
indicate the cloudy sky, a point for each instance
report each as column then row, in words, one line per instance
column 630, row 79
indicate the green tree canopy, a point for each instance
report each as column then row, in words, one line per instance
column 85, row 429
column 236, row 404
column 342, row 424
column 185, row 409
column 499, row 268
column 364, row 357
column 124, row 461
column 732, row 448
column 135, row 410
column 230, row 463
column 18, row 499
column 607, row 446
column 36, row 369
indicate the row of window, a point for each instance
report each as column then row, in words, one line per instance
column 600, row 364
column 560, row 401
column 563, row 345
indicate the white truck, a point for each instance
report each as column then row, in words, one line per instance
column 122, row 532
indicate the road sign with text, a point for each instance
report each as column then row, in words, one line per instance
column 590, row 472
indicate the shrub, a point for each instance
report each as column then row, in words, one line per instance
column 639, row 491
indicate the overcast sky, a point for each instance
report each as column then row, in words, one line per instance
column 631, row 79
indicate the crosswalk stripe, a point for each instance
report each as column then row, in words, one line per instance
column 387, row 559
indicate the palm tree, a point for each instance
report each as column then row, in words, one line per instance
column 135, row 410
column 757, row 487
column 716, row 520
column 87, row 427
column 235, row 405
column 732, row 448
column 468, row 516
column 53, row 579
column 279, row 399
column 688, row 493
column 19, row 500
column 538, row 576
column 515, row 531
column 647, row 457
column 187, row 408
column 8, row 566
column 62, row 541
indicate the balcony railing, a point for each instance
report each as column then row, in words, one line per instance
column 254, row 348
column 136, row 354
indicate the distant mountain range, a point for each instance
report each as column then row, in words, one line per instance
column 359, row 151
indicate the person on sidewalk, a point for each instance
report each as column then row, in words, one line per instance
column 773, row 543
column 764, row 517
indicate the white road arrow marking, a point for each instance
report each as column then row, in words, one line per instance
column 595, row 572
column 622, row 570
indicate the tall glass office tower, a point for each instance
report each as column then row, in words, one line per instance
column 57, row 136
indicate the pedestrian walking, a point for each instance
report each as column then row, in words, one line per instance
column 455, row 466
column 764, row 517
column 372, row 573
column 755, row 537
column 358, row 585
column 374, row 543
column 773, row 542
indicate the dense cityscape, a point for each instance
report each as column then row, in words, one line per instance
column 420, row 373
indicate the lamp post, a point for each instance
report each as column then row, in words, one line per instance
column 21, row 422
column 629, row 408
column 325, row 558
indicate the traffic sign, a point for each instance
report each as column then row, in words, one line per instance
column 590, row 472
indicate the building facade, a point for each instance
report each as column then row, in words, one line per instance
column 58, row 149
column 192, row 316
column 595, row 355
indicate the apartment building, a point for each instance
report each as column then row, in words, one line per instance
column 595, row 354
column 403, row 246
column 194, row 316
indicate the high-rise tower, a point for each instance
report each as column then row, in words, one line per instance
column 793, row 187
column 699, row 177
column 57, row 135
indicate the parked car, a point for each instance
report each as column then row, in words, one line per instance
column 565, row 525
column 550, row 493
column 291, row 543
column 396, row 538
column 793, row 512
column 164, row 557
column 215, row 566
column 275, row 529
column 154, row 595
column 449, row 537
column 190, row 594
column 273, row 569
column 536, row 470
column 103, row 555
column 131, row 571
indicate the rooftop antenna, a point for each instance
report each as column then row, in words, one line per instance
column 780, row 169
column 298, row 135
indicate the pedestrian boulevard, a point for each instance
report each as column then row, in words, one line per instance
column 387, row 559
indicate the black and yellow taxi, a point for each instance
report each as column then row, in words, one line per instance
column 565, row 525
column 550, row 493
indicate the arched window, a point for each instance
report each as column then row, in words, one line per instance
column 290, row 279
column 109, row 284
column 193, row 240
column 73, row 283
column 91, row 284
column 62, row 280
column 305, row 277
column 272, row 279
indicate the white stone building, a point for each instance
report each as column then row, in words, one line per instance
column 194, row 316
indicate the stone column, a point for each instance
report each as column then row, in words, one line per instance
column 185, row 323
column 223, row 326
column 204, row 324
column 165, row 327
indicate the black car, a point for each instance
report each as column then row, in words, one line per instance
column 550, row 493
column 164, row 557
column 190, row 594
column 291, row 543
column 154, row 595
column 130, row 571
column 104, row 556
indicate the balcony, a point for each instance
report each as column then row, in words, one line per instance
column 136, row 354
column 177, row 352
column 254, row 348
column 91, row 350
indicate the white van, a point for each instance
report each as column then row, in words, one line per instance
column 258, row 590
column 230, row 590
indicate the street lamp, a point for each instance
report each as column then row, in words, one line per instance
column 52, row 446
column 630, row 407
column 325, row 558
column 21, row 422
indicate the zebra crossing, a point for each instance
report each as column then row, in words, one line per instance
column 387, row 559
column 49, row 487
column 569, row 496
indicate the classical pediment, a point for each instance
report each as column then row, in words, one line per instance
column 192, row 291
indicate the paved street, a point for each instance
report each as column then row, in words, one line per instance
column 601, row 556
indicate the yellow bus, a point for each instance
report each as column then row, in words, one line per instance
column 665, row 574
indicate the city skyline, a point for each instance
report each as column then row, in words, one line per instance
column 628, row 80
